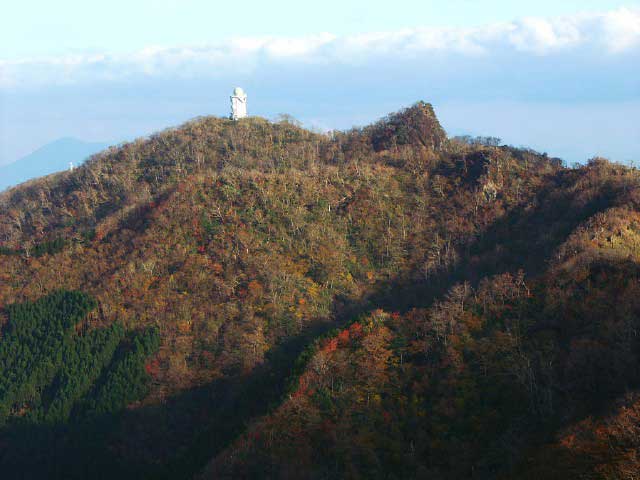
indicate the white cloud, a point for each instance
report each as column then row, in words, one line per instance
column 621, row 29
column 598, row 35
column 542, row 36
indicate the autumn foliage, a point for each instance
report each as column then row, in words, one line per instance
column 379, row 303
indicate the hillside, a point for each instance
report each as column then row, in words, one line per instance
column 51, row 158
column 378, row 303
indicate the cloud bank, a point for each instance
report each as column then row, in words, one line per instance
column 603, row 37
column 568, row 85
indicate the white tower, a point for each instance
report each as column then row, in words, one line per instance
column 238, row 104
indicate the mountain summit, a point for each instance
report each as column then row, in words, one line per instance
column 247, row 299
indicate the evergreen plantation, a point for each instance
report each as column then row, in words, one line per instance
column 254, row 300
column 57, row 374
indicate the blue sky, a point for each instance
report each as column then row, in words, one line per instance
column 560, row 76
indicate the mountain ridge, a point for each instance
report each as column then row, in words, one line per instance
column 253, row 248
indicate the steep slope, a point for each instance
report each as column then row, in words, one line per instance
column 514, row 378
column 243, row 242
column 51, row 158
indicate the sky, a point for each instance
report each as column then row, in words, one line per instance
column 557, row 76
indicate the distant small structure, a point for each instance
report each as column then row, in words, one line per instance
column 238, row 104
column 71, row 166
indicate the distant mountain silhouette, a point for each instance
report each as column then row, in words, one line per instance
column 52, row 157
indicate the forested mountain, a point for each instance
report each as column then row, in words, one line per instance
column 379, row 303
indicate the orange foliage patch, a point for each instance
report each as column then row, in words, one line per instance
column 355, row 330
column 153, row 367
column 302, row 387
column 330, row 346
column 343, row 338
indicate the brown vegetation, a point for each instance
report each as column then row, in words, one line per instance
column 497, row 288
